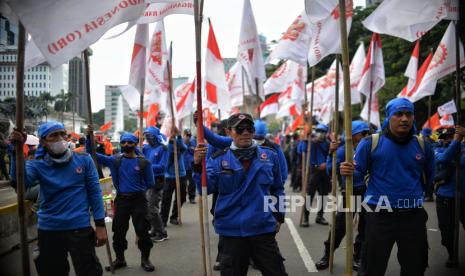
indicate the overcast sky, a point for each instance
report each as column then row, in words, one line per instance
column 111, row 58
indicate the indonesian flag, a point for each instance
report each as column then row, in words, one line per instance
column 374, row 116
column 413, row 17
column 237, row 85
column 58, row 31
column 326, row 34
column 289, row 110
column 355, row 71
column 250, row 52
column 295, row 42
column 185, row 96
column 152, row 115
column 159, row 9
column 447, row 120
column 447, row 108
column 443, row 62
column 269, row 106
column 412, row 67
column 106, row 126
column 436, row 122
column 157, row 83
column 373, row 71
column 215, row 86
column 286, row 74
column 413, row 94
column 299, row 120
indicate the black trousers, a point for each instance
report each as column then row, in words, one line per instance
column 132, row 206
column 3, row 172
column 445, row 209
column 54, row 247
column 169, row 188
column 407, row 229
column 235, row 253
column 319, row 181
column 190, row 185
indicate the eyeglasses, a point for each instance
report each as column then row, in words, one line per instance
column 240, row 129
column 402, row 113
column 126, row 142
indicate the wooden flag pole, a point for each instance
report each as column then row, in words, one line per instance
column 369, row 99
column 348, row 130
column 259, row 101
column 85, row 56
column 141, row 119
column 20, row 185
column 334, row 169
column 198, row 17
column 175, row 145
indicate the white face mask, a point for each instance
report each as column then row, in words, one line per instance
column 57, row 147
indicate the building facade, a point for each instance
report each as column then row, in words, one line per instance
column 112, row 98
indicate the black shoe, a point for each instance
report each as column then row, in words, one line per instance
column 305, row 223
column 174, row 221
column 146, row 264
column 158, row 237
column 192, row 201
column 217, row 266
column 321, row 220
column 356, row 265
column 323, row 263
column 118, row 263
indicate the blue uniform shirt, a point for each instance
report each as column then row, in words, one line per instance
column 189, row 155
column 156, row 155
column 66, row 192
column 358, row 179
column 319, row 151
column 395, row 170
column 239, row 210
column 446, row 156
column 169, row 159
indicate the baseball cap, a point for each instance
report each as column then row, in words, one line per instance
column 238, row 118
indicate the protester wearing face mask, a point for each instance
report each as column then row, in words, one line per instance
column 69, row 188
column 132, row 176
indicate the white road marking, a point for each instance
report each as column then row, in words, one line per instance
column 306, row 258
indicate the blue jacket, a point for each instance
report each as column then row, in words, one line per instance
column 239, row 209
column 128, row 178
column 222, row 142
column 189, row 155
column 395, row 171
column 319, row 151
column 446, row 156
column 169, row 159
column 156, row 155
column 66, row 192
column 358, row 179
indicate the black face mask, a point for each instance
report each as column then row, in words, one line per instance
column 127, row 149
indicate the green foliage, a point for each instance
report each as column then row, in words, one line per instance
column 99, row 117
column 130, row 124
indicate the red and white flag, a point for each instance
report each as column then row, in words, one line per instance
column 319, row 9
column 289, row 110
column 159, row 9
column 60, row 34
column 433, row 122
column 374, row 116
column 413, row 94
column 237, row 85
column 443, row 62
column 413, row 17
column 185, row 98
column 269, row 106
column 157, row 83
column 295, row 42
column 447, row 108
column 216, row 87
column 412, row 67
column 373, row 71
column 447, row 120
column 326, row 38
column 355, row 70
column 250, row 52
column 286, row 74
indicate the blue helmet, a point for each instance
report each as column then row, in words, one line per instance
column 260, row 129
column 128, row 137
column 322, row 127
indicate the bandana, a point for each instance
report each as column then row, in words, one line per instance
column 49, row 127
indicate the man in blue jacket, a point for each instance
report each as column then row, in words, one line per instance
column 452, row 142
column 69, row 187
column 155, row 152
column 170, row 178
column 132, row 176
column 246, row 176
column 395, row 192
column 188, row 158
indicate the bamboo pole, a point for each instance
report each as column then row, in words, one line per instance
column 20, row 185
column 259, row 101
column 92, row 138
column 334, row 169
column 348, row 130
column 141, row 118
column 175, row 145
column 198, row 17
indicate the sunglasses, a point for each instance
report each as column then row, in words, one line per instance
column 126, row 142
column 402, row 113
column 365, row 133
column 240, row 129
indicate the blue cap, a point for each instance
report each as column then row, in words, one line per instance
column 426, row 132
column 322, row 127
column 396, row 105
column 260, row 129
column 152, row 130
column 49, row 127
column 359, row 126
column 128, row 137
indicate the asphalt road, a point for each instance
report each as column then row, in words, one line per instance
column 180, row 254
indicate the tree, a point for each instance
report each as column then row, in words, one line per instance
column 99, row 117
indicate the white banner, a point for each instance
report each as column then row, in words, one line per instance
column 157, row 11
column 447, row 108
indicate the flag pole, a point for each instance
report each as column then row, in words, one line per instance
column 259, row 101
column 198, row 9
column 243, row 90
column 141, row 119
column 175, row 146
column 458, row 155
column 348, row 130
column 334, row 169
column 429, row 111
column 370, row 96
column 306, row 166
column 85, row 57
column 20, row 185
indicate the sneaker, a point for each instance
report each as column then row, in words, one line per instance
column 217, row 266
column 158, row 237
column 305, row 223
column 192, row 201
column 174, row 221
column 321, row 220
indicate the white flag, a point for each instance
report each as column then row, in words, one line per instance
column 286, row 74
column 269, row 106
column 326, row 38
column 413, row 17
column 157, row 83
column 373, row 77
column 452, row 9
column 443, row 62
column 250, row 52
column 158, row 10
column 237, row 86
column 185, row 98
column 374, row 116
column 319, row 9
column 412, row 67
column 447, row 108
column 32, row 56
column 447, row 120
column 63, row 29
column 355, row 70
column 295, row 43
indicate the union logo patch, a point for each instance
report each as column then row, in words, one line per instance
column 78, row 170
column 224, row 164
column 263, row 156
column 137, row 168
column 418, row 156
